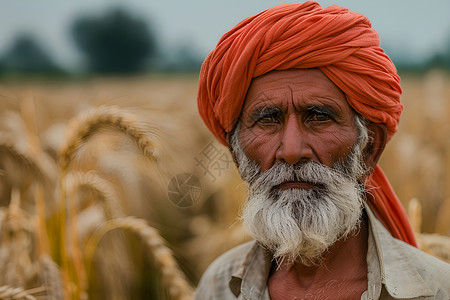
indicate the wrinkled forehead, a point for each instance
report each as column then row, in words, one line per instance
column 301, row 87
column 297, row 78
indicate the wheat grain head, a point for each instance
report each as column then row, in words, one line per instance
column 8, row 292
column 11, row 154
column 173, row 277
column 75, row 180
column 51, row 277
column 17, row 244
column 87, row 124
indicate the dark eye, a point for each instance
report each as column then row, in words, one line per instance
column 320, row 114
column 320, row 117
column 267, row 116
column 268, row 119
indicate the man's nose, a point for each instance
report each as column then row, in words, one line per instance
column 294, row 146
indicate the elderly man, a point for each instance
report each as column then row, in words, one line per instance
column 306, row 101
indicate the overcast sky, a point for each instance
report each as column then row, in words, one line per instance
column 407, row 28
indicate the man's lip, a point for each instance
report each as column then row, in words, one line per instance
column 296, row 185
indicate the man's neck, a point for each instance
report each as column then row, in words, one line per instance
column 343, row 269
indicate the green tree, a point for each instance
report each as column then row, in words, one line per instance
column 26, row 55
column 115, row 42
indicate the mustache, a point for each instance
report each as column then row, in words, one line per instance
column 319, row 175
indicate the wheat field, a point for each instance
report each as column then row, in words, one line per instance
column 92, row 193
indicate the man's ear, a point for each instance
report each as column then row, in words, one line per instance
column 228, row 139
column 377, row 142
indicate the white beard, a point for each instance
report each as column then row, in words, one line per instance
column 301, row 224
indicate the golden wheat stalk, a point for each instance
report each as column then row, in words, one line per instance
column 434, row 244
column 443, row 217
column 51, row 277
column 17, row 231
column 71, row 183
column 31, row 133
column 7, row 292
column 75, row 180
column 438, row 245
column 40, row 217
column 173, row 277
column 74, row 252
column 415, row 215
column 415, row 218
column 105, row 116
column 80, row 129
column 23, row 160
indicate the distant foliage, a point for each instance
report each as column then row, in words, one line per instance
column 116, row 42
column 441, row 59
column 26, row 55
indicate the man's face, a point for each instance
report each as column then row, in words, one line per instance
column 300, row 148
column 296, row 116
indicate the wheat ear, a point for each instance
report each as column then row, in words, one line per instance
column 7, row 292
column 75, row 180
column 80, row 129
column 22, row 159
column 71, row 183
column 105, row 116
column 173, row 277
column 51, row 277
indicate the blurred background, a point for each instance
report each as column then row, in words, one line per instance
column 99, row 83
column 51, row 37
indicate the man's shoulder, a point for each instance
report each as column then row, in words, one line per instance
column 229, row 262
column 434, row 273
column 215, row 280
column 425, row 261
column 407, row 271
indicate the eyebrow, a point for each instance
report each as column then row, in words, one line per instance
column 323, row 109
column 263, row 111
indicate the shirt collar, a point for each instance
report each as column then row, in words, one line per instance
column 251, row 278
column 398, row 273
column 388, row 264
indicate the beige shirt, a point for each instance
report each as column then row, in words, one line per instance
column 396, row 270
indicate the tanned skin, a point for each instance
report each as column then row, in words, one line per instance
column 298, row 116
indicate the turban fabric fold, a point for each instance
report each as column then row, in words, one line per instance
column 341, row 44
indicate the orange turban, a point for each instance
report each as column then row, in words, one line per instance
column 341, row 44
